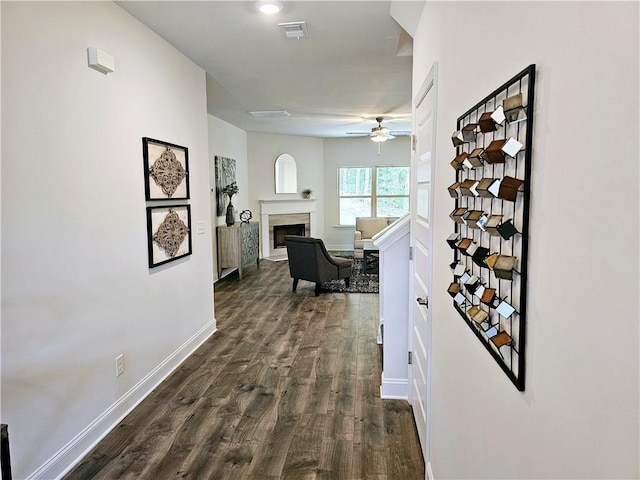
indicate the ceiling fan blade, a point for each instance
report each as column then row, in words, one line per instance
column 380, row 133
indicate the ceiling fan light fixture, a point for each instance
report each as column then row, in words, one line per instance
column 269, row 7
column 380, row 134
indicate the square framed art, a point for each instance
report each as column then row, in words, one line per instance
column 168, row 233
column 166, row 170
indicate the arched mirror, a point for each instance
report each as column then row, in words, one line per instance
column 286, row 174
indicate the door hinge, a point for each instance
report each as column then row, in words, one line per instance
column 414, row 142
column 410, row 359
column 410, row 253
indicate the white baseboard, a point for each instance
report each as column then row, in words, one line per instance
column 429, row 472
column 74, row 451
column 394, row 388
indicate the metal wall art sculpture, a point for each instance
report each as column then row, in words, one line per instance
column 492, row 166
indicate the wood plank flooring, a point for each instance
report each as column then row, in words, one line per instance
column 288, row 388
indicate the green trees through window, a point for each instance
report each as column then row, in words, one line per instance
column 372, row 192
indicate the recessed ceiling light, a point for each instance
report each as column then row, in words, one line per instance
column 269, row 7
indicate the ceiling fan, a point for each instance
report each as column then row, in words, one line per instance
column 381, row 134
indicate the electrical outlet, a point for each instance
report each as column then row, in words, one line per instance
column 119, row 364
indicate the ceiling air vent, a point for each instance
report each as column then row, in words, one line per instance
column 294, row 29
column 270, row 113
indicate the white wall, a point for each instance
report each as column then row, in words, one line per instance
column 77, row 289
column 226, row 140
column 308, row 152
column 578, row 417
column 354, row 152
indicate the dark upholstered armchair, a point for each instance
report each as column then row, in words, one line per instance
column 309, row 260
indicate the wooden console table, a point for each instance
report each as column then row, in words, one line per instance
column 238, row 246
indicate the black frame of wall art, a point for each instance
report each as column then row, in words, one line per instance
column 169, row 231
column 491, row 218
column 166, row 178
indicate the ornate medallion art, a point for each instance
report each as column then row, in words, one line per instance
column 166, row 178
column 171, row 233
column 167, row 172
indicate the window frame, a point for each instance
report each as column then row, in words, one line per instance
column 373, row 197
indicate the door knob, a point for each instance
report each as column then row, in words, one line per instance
column 423, row 301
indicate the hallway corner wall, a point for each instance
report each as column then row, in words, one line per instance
column 578, row 417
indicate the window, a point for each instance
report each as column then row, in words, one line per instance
column 372, row 192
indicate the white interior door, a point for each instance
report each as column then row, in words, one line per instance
column 421, row 266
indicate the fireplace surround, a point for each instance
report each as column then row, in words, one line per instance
column 286, row 214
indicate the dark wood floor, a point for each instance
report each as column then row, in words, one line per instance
column 288, row 388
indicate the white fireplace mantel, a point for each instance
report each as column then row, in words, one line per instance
column 283, row 207
column 272, row 207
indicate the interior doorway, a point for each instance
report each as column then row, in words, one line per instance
column 424, row 106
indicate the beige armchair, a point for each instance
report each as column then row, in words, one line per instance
column 366, row 228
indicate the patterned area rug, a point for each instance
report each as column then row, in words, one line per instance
column 360, row 282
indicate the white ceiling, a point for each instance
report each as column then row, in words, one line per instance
column 337, row 80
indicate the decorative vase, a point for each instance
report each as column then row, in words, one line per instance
column 231, row 214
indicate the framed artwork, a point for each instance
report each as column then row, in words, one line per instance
column 166, row 170
column 225, row 175
column 168, row 233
